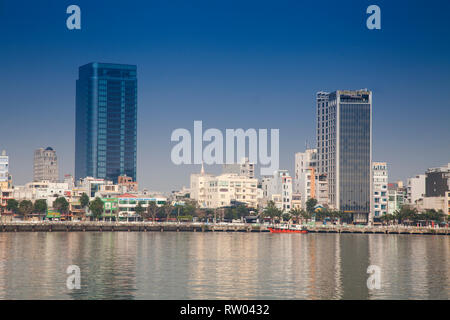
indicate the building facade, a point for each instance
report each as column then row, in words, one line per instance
column 437, row 181
column 415, row 189
column 303, row 161
column 308, row 182
column 128, row 183
column 106, row 121
column 396, row 196
column 244, row 168
column 379, row 189
column 344, row 145
column 224, row 190
column 127, row 203
column 45, row 165
column 4, row 171
column 278, row 188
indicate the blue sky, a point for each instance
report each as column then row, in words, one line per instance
column 231, row 64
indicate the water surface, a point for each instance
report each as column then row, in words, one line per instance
column 153, row 265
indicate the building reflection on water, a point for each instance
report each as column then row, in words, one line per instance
column 150, row 265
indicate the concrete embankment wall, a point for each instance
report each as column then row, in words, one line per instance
column 196, row 227
column 126, row 227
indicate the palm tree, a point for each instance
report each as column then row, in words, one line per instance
column 296, row 212
column 286, row 216
column 310, row 205
column 271, row 211
column 343, row 216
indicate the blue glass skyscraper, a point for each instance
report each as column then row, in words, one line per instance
column 106, row 121
column 344, row 145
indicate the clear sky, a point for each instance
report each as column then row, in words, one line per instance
column 231, row 64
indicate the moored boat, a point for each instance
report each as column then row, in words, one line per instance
column 288, row 229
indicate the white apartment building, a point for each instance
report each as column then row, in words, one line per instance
column 198, row 184
column 244, row 168
column 415, row 189
column 303, row 161
column 279, row 185
column 42, row 190
column 307, row 185
column 127, row 203
column 221, row 191
column 4, row 170
column 45, row 167
column 308, row 182
column 379, row 189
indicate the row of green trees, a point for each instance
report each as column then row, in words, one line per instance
column 166, row 211
column 410, row 216
column 297, row 215
column 152, row 211
column 27, row 207
column 190, row 209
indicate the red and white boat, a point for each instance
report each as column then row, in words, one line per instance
column 287, row 229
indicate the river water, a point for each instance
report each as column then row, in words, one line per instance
column 153, row 265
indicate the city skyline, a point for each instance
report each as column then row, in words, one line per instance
column 265, row 67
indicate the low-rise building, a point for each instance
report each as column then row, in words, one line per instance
column 433, row 203
column 221, row 191
column 5, row 195
column 47, row 190
column 128, row 183
column 127, row 203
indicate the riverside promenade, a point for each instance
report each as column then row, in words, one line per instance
column 89, row 226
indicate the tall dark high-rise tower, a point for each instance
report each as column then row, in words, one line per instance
column 344, row 146
column 106, row 121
